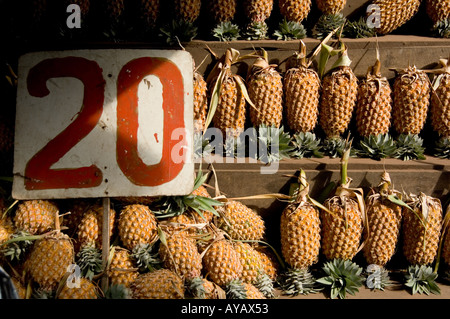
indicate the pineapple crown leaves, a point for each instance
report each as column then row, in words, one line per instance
column 196, row 288
column 421, row 279
column 235, row 289
column 441, row 29
column 178, row 31
column 442, row 148
column 18, row 245
column 342, row 277
column 275, row 144
column 265, row 285
column 176, row 205
column 377, row 146
column 256, row 30
column 377, row 277
column 89, row 259
column 117, row 291
column 409, row 147
column 295, row 282
column 358, row 29
column 226, row 31
column 306, row 145
column 147, row 259
column 290, row 30
column 327, row 23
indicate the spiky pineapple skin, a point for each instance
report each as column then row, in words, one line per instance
column 294, row 10
column 420, row 245
column 337, row 241
column 122, row 270
column 222, row 10
column 446, row 245
column 49, row 260
column 231, row 109
column 302, row 94
column 252, row 292
column 158, row 284
column 374, row 106
column 180, row 254
column 35, row 216
column 338, row 100
column 137, row 225
column 331, row 7
column 252, row 264
column 265, row 88
column 438, row 10
column 200, row 102
column 241, row 222
column 187, row 10
column 150, row 11
column 440, row 107
column 411, row 101
column 87, row 290
column 258, row 10
column 269, row 260
column 381, row 236
column 90, row 228
column 394, row 14
column 221, row 263
column 300, row 235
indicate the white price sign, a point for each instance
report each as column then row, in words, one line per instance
column 104, row 123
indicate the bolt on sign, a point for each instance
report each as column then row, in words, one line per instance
column 104, row 123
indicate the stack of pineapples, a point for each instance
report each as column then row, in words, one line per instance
column 167, row 247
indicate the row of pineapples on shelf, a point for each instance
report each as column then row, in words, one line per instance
column 204, row 247
column 121, row 16
column 320, row 105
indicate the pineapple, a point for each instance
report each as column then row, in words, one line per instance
column 339, row 96
column 342, row 276
column 200, row 102
column 421, row 229
column 35, row 216
column 179, row 253
column 269, row 260
column 228, row 111
column 253, row 267
column 290, row 30
column 158, row 284
column 20, row 288
column 438, row 10
column 90, row 228
column 149, row 12
column 295, row 10
column 257, row 12
column 327, row 23
column 411, row 100
column 302, row 92
column 49, row 258
column 374, row 103
column 343, row 220
column 87, row 290
column 75, row 212
column 251, row 292
column 331, row 7
column 222, row 10
column 394, row 14
column 422, row 279
column 384, row 218
column 440, row 101
column 221, row 263
column 121, row 270
column 241, row 222
column 137, row 225
column 300, row 229
column 265, row 89
column 445, row 237
column 187, row 10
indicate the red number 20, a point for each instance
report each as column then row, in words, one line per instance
column 38, row 172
